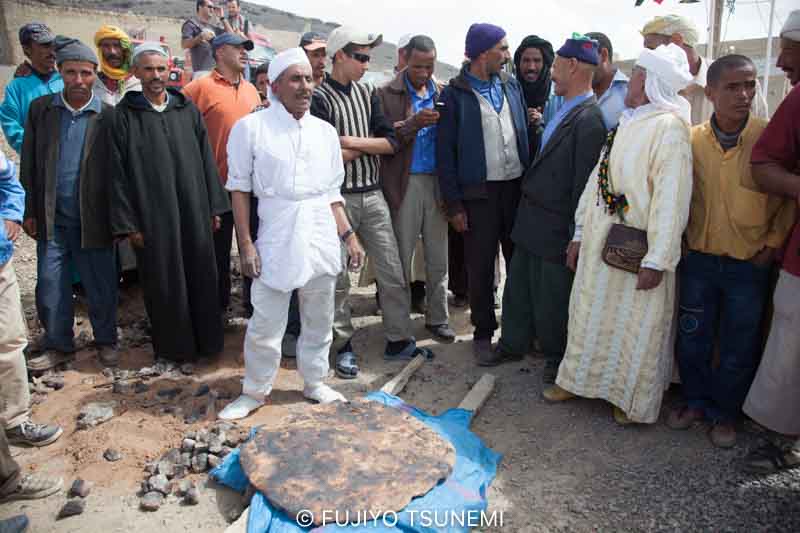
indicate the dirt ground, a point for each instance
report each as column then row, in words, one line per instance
column 565, row 467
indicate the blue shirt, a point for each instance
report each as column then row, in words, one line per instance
column 70, row 154
column 568, row 106
column 12, row 204
column 551, row 107
column 423, row 159
column 491, row 89
column 612, row 102
column 20, row 92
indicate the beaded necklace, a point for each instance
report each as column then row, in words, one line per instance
column 613, row 203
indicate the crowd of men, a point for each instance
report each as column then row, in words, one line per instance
column 640, row 219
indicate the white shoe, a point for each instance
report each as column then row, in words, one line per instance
column 240, row 407
column 323, row 394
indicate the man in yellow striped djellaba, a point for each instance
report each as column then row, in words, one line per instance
column 619, row 322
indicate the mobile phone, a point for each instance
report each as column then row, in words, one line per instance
column 439, row 106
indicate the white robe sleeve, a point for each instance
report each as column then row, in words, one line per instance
column 671, row 182
column 240, row 158
column 337, row 168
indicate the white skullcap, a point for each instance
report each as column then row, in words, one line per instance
column 667, row 73
column 284, row 60
column 404, row 39
column 149, row 47
column 791, row 28
column 669, row 24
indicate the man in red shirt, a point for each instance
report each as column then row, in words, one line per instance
column 774, row 397
column 223, row 98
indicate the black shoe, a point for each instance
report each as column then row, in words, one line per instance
column 495, row 357
column 459, row 300
column 550, row 372
column 15, row 524
column 442, row 333
column 31, row 434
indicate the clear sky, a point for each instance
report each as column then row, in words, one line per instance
column 446, row 21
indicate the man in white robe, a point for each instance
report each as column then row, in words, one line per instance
column 619, row 322
column 292, row 162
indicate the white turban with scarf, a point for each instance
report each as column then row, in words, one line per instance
column 667, row 74
column 282, row 61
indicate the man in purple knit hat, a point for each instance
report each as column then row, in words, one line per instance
column 482, row 152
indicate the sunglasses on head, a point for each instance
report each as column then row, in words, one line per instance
column 361, row 58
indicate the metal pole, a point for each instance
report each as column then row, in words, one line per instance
column 712, row 26
column 768, row 65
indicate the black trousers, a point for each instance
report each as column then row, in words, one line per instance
column 457, row 275
column 490, row 222
column 222, row 249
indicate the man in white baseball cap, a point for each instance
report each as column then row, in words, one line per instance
column 365, row 134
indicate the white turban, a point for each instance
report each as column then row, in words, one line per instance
column 284, row 60
column 791, row 28
column 669, row 24
column 667, row 74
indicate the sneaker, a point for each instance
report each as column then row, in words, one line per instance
column 15, row 524
column 723, row 435
column 34, row 487
column 442, row 333
column 289, row 345
column 409, row 352
column 684, row 417
column 482, row 350
column 770, row 458
column 495, row 357
column 48, row 360
column 108, row 355
column 30, row 433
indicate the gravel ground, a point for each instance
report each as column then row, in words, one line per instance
column 566, row 467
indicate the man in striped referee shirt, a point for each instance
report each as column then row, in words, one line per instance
column 365, row 134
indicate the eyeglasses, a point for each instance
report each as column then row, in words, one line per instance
column 361, row 58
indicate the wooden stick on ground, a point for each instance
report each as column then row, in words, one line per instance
column 397, row 383
column 478, row 394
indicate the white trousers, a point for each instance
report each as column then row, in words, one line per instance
column 262, row 343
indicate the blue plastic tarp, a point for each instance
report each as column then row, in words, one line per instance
column 455, row 505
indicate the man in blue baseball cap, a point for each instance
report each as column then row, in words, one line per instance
column 223, row 98
column 41, row 79
column 536, row 296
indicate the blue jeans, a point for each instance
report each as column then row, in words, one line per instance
column 730, row 294
column 97, row 268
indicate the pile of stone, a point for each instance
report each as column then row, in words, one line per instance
column 200, row 451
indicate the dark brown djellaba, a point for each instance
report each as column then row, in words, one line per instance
column 351, row 459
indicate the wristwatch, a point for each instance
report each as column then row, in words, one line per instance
column 346, row 235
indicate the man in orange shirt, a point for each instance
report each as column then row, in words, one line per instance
column 223, row 98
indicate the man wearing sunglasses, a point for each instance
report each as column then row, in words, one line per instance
column 197, row 33
column 365, row 134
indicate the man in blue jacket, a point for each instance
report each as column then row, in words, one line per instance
column 482, row 151
column 37, row 43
